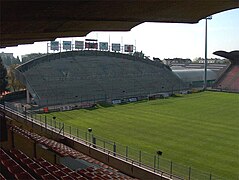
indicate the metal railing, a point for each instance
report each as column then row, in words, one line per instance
column 154, row 163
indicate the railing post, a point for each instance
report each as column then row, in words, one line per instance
column 114, row 149
column 158, row 163
column 171, row 169
column 104, row 144
column 154, row 162
column 189, row 173
column 63, row 128
column 140, row 157
column 77, row 132
column 45, row 122
column 126, row 153
column 210, row 176
column 70, row 130
column 40, row 123
column 94, row 141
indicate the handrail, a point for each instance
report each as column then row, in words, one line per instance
column 114, row 154
column 93, row 146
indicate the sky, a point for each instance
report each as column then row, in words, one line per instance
column 164, row 40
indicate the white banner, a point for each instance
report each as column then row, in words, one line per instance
column 116, row 101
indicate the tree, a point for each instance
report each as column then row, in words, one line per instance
column 138, row 54
column 13, row 83
column 28, row 57
column 3, row 77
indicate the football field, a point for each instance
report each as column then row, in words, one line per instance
column 199, row 130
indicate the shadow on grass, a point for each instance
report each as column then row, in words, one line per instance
column 177, row 95
column 104, row 104
column 92, row 108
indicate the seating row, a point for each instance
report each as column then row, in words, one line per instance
column 11, row 169
column 230, row 80
column 102, row 171
column 22, row 166
column 55, row 146
column 42, row 169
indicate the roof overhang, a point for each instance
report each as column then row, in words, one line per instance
column 233, row 56
column 24, row 22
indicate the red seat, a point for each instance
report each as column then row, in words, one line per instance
column 41, row 159
column 16, row 169
column 89, row 175
column 24, row 176
column 20, row 156
column 75, row 175
column 26, row 161
column 66, row 170
column 67, row 178
column 59, row 173
column 48, row 177
column 44, row 163
column 60, row 166
column 4, row 157
column 40, row 171
column 2, row 177
column 33, row 166
column 51, row 168
column 15, row 151
column 9, row 162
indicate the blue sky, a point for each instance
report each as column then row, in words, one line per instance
column 165, row 40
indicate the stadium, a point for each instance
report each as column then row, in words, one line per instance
column 97, row 114
column 94, row 76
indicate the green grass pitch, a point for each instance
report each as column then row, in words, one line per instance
column 199, row 130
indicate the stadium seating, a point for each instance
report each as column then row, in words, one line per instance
column 15, row 162
column 230, row 80
column 41, row 168
column 11, row 169
column 95, row 76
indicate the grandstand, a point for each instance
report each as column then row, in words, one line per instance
column 93, row 76
column 229, row 80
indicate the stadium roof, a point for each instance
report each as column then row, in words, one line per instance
column 25, row 22
column 233, row 56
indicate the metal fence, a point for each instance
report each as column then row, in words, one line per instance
column 156, row 162
column 152, row 162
